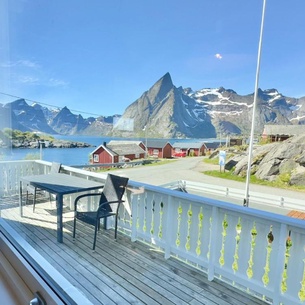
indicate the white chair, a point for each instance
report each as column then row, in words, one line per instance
column 30, row 189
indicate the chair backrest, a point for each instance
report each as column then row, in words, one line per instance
column 55, row 167
column 114, row 188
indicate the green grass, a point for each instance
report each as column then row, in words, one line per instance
column 278, row 183
column 214, row 161
column 148, row 162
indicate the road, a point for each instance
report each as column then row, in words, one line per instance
column 191, row 169
column 177, row 169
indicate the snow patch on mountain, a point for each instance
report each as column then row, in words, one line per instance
column 205, row 92
column 298, row 118
column 216, row 113
column 295, row 108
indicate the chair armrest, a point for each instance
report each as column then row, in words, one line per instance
column 84, row 195
column 109, row 202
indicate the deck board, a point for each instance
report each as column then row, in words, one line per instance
column 117, row 272
column 296, row 214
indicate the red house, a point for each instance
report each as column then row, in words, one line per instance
column 159, row 148
column 182, row 149
column 116, row 153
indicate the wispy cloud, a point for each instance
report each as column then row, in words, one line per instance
column 28, row 64
column 24, row 63
column 29, row 72
column 57, row 83
column 33, row 80
column 28, row 80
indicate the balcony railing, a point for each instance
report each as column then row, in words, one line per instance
column 260, row 252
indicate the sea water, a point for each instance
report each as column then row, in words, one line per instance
column 67, row 156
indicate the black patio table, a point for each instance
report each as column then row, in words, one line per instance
column 59, row 185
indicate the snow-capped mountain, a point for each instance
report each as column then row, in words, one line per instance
column 177, row 112
column 168, row 112
column 22, row 116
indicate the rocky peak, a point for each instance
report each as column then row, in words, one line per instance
column 26, row 118
column 166, row 111
column 160, row 89
column 65, row 122
column 20, row 103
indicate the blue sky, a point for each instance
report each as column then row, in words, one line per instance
column 99, row 56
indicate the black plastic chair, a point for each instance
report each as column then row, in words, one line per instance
column 109, row 204
column 30, row 189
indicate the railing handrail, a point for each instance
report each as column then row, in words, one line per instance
column 226, row 192
column 220, row 204
column 253, row 248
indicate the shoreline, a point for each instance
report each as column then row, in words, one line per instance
column 47, row 144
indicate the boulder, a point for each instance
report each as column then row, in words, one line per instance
column 287, row 166
column 301, row 159
column 283, row 151
column 233, row 162
column 298, row 176
column 257, row 155
column 271, row 160
column 268, row 169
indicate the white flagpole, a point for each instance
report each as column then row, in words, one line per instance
column 246, row 199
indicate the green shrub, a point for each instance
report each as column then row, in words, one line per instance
column 285, row 177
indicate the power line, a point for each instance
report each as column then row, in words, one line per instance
column 49, row 105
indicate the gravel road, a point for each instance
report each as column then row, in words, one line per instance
column 191, row 169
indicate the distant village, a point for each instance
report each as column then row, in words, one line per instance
column 117, row 151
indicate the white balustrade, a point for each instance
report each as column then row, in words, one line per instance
column 254, row 250
column 260, row 252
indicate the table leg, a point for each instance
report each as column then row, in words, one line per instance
column 59, row 205
column 20, row 199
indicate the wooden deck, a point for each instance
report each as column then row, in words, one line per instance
column 119, row 272
column 296, row 214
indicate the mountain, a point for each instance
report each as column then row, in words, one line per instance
column 22, row 116
column 166, row 111
column 65, row 122
column 19, row 115
column 232, row 113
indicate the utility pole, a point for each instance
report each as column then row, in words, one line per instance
column 246, row 199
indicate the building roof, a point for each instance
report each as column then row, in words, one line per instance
column 188, row 145
column 212, row 145
column 121, row 149
column 119, row 142
column 105, row 148
column 157, row 143
column 290, row 130
column 126, row 149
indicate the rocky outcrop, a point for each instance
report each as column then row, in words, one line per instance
column 68, row 144
column 280, row 160
column 50, row 144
